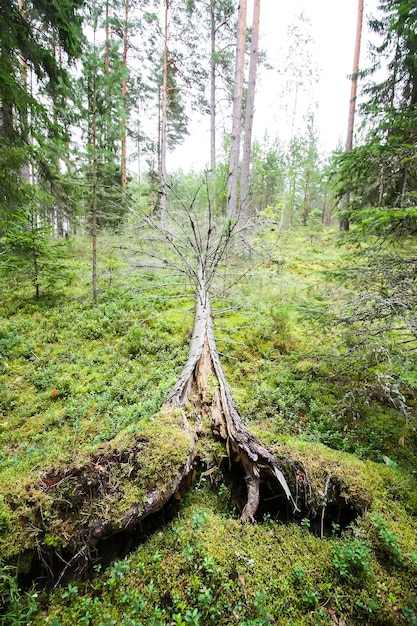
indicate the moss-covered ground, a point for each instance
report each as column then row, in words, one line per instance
column 80, row 392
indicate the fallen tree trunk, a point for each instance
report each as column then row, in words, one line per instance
column 241, row 445
column 73, row 510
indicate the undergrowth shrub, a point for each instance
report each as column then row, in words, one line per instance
column 9, row 339
column 138, row 339
column 282, row 337
column 387, row 542
column 351, row 559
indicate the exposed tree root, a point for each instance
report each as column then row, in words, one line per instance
column 241, row 444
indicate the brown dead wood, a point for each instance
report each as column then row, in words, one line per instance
column 226, row 423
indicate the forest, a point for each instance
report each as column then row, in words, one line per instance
column 208, row 378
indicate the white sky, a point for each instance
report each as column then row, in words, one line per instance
column 333, row 29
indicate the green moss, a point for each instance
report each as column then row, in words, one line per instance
column 229, row 573
column 103, row 487
column 361, row 483
column 80, row 391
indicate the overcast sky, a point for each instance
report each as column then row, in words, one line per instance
column 332, row 29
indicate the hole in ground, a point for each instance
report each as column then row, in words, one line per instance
column 324, row 521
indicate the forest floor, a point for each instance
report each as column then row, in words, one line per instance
column 85, row 439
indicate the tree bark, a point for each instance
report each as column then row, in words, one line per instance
column 24, row 121
column 226, row 423
column 139, row 155
column 94, row 186
column 354, row 81
column 232, row 188
column 107, row 43
column 213, row 89
column 124, row 96
column 164, row 121
column 250, row 106
column 344, row 221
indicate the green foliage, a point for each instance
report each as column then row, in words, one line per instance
column 22, row 33
column 388, row 541
column 198, row 520
column 32, row 257
column 297, row 574
column 351, row 559
column 17, row 607
column 310, row 598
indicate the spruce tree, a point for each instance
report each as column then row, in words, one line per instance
column 29, row 33
column 381, row 171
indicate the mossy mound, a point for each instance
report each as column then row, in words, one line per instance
column 207, row 568
column 72, row 507
column 363, row 484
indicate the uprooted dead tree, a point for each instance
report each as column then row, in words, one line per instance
column 226, row 423
column 128, row 482
column 198, row 242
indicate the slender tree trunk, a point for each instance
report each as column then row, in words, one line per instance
column 94, row 227
column 107, row 42
column 24, row 121
column 164, row 121
column 344, row 221
column 213, row 89
column 305, row 213
column 232, row 188
column 106, row 120
column 157, row 203
column 326, row 211
column 354, row 81
column 124, row 96
column 139, row 155
column 94, row 184
column 33, row 225
column 6, row 108
column 58, row 216
column 281, row 219
column 250, row 106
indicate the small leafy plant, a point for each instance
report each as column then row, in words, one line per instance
column 351, row 558
column 388, row 540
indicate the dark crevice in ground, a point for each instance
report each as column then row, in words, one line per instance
column 331, row 517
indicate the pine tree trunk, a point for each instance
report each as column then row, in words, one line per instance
column 354, row 81
column 106, row 120
column 107, row 43
column 164, row 121
column 232, row 188
column 25, row 169
column 344, row 221
column 124, row 96
column 250, row 107
column 306, row 199
column 213, row 89
column 94, row 229
column 139, row 156
column 94, row 185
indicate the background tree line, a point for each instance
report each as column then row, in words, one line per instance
column 94, row 95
